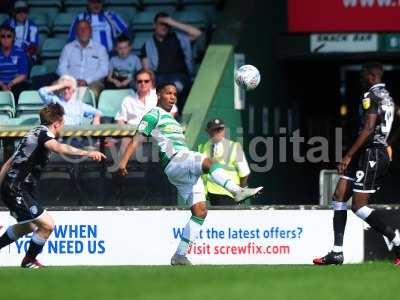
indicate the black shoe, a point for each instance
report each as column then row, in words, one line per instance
column 396, row 250
column 332, row 258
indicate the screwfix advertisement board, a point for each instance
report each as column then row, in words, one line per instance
column 151, row 238
column 343, row 15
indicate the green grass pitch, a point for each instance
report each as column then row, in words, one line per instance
column 377, row 281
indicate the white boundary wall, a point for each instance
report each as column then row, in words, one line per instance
column 150, row 237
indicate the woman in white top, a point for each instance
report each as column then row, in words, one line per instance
column 135, row 106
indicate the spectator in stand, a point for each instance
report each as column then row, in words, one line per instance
column 63, row 92
column 13, row 64
column 134, row 107
column 26, row 31
column 230, row 156
column 169, row 54
column 85, row 60
column 106, row 25
column 124, row 66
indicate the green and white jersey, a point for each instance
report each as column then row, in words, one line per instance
column 168, row 133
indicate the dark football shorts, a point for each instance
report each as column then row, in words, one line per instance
column 22, row 204
column 367, row 170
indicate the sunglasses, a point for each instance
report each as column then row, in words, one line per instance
column 9, row 36
column 21, row 11
column 143, row 81
column 162, row 24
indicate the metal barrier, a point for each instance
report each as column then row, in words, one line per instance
column 327, row 184
column 75, row 182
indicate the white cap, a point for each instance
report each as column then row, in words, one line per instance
column 20, row 4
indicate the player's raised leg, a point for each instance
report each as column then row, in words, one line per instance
column 45, row 225
column 369, row 215
column 339, row 199
column 219, row 176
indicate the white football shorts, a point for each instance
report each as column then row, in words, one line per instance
column 184, row 171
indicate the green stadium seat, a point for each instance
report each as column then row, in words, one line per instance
column 75, row 2
column 7, row 103
column 126, row 13
column 42, row 22
column 140, row 39
column 75, row 9
column 29, row 101
column 209, row 8
column 27, row 119
column 51, row 65
column 168, row 6
column 160, row 2
column 3, row 17
column 110, row 101
column 63, row 22
column 195, row 18
column 75, row 6
column 52, row 47
column 143, row 21
column 42, row 38
column 5, row 120
column 125, row 3
column 38, row 70
column 61, row 35
column 169, row 9
column 89, row 98
column 45, row 3
column 51, row 11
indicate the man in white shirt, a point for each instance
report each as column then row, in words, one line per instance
column 63, row 92
column 85, row 60
column 135, row 106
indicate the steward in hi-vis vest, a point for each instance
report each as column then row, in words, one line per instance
column 230, row 155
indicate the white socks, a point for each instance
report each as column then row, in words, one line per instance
column 219, row 176
column 338, row 205
column 38, row 240
column 364, row 212
column 190, row 233
column 11, row 234
column 337, row 249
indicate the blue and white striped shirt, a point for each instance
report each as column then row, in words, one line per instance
column 76, row 112
column 16, row 63
column 28, row 35
column 106, row 26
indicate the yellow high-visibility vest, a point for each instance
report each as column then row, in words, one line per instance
column 227, row 157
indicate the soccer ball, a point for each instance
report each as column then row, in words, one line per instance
column 247, row 77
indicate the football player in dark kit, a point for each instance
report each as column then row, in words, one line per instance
column 19, row 175
column 364, row 165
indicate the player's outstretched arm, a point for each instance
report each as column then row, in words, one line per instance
column 136, row 141
column 65, row 149
column 361, row 139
